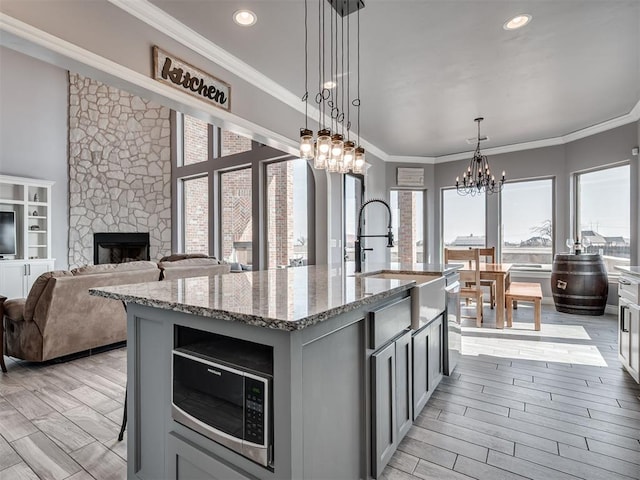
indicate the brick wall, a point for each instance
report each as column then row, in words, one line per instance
column 406, row 227
column 233, row 143
column 196, row 215
column 236, row 218
column 279, row 213
column 196, row 140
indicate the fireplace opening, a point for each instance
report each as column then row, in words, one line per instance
column 120, row 247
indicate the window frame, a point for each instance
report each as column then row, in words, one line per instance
column 499, row 250
column 486, row 218
column 575, row 199
column 425, row 252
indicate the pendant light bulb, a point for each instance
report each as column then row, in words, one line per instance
column 359, row 161
column 348, row 154
column 306, row 144
column 324, row 141
column 337, row 144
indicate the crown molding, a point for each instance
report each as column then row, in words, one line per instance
column 632, row 116
column 30, row 40
column 157, row 18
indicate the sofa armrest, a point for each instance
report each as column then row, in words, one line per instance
column 13, row 308
column 3, row 367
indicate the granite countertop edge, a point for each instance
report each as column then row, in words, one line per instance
column 254, row 320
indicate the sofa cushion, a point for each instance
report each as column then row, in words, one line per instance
column 114, row 267
column 14, row 309
column 189, row 262
column 37, row 288
column 183, row 256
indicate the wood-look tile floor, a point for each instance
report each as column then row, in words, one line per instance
column 547, row 405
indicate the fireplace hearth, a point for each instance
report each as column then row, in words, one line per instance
column 120, row 247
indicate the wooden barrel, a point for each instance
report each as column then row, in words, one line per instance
column 579, row 284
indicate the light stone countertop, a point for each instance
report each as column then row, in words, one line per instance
column 286, row 299
column 632, row 270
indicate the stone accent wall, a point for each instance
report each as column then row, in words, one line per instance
column 119, row 168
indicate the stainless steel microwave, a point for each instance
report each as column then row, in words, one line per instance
column 228, row 403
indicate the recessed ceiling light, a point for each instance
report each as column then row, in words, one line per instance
column 329, row 84
column 246, row 18
column 517, row 22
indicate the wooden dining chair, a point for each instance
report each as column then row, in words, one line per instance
column 489, row 256
column 469, row 276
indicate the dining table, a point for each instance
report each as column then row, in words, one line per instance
column 499, row 272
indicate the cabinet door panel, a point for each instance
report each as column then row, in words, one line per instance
column 383, row 372
column 404, row 399
column 35, row 270
column 623, row 334
column 13, row 280
column 435, row 353
column 634, row 339
column 420, row 365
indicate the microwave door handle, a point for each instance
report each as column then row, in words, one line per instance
column 623, row 318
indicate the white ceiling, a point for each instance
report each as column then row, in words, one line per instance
column 428, row 68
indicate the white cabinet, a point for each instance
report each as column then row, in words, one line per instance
column 25, row 250
column 629, row 338
column 30, row 200
column 17, row 276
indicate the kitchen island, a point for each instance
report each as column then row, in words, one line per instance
column 331, row 365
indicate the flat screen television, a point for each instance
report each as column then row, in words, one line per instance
column 7, row 233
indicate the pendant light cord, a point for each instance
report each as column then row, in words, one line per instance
column 305, row 97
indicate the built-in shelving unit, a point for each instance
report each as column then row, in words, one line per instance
column 30, row 199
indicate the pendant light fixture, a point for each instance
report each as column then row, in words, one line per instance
column 478, row 178
column 333, row 149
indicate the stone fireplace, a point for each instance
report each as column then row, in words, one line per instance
column 119, row 169
column 115, row 247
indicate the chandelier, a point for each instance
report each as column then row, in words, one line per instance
column 334, row 148
column 478, row 178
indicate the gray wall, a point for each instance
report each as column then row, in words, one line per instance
column 33, row 132
column 607, row 148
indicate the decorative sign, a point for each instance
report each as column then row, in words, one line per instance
column 410, row 177
column 173, row 71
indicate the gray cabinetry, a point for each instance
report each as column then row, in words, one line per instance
column 190, row 462
column 392, row 401
column 385, row 439
column 427, row 363
column 404, row 399
column 391, row 368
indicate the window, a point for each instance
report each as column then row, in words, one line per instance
column 195, row 140
column 604, row 214
column 353, row 194
column 232, row 143
column 287, row 212
column 527, row 222
column 236, row 216
column 195, row 194
column 463, row 220
column 407, row 208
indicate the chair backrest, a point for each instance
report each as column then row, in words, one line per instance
column 471, row 273
column 489, row 254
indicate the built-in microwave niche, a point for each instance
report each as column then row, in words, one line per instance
column 234, row 352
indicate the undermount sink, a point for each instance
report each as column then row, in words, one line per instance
column 427, row 295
